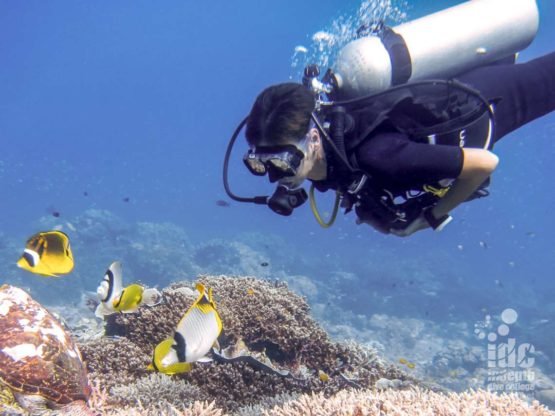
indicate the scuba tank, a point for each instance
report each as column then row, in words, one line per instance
column 440, row 45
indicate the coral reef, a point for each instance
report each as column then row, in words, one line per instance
column 350, row 402
column 308, row 372
column 114, row 361
column 274, row 323
column 407, row 403
column 271, row 321
column 158, row 391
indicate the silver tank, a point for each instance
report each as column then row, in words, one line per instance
column 441, row 45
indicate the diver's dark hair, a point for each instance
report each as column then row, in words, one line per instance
column 281, row 113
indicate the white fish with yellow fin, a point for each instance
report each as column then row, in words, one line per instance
column 115, row 298
column 195, row 335
column 47, row 253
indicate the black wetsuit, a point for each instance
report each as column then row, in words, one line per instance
column 522, row 93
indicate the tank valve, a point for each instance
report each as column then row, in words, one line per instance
column 311, row 81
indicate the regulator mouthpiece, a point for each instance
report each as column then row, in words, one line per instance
column 285, row 200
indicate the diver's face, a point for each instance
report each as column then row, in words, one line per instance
column 309, row 166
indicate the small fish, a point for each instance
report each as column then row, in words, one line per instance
column 114, row 297
column 460, row 247
column 47, row 253
column 407, row 363
column 53, row 211
column 264, row 264
column 323, row 376
column 531, row 234
column 250, row 291
column 222, row 203
column 483, row 244
column 126, row 199
column 85, row 193
column 195, row 335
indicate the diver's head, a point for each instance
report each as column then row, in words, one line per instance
column 284, row 143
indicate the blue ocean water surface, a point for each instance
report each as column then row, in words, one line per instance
column 127, row 107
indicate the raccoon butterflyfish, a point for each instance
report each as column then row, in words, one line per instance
column 195, row 335
column 115, row 298
column 47, row 253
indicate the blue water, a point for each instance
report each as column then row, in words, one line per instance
column 137, row 100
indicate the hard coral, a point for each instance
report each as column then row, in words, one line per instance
column 157, row 391
column 113, row 362
column 408, row 403
column 194, row 409
column 273, row 322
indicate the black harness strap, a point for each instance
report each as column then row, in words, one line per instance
column 401, row 66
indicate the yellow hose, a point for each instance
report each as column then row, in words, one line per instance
column 314, row 209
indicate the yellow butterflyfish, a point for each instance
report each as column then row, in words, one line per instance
column 193, row 338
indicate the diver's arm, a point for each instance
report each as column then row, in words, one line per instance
column 478, row 164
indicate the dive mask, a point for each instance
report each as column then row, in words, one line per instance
column 277, row 161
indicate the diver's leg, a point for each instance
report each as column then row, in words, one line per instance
column 526, row 91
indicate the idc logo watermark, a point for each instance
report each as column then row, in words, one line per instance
column 509, row 363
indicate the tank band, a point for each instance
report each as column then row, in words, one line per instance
column 401, row 67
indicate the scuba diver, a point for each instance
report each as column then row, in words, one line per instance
column 405, row 147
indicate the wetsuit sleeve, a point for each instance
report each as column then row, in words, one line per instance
column 395, row 160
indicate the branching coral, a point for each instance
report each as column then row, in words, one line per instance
column 407, row 403
column 155, row 391
column 113, row 362
column 265, row 404
column 194, row 409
